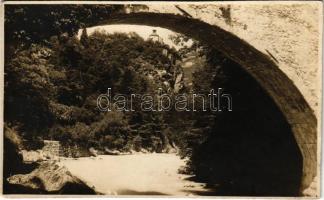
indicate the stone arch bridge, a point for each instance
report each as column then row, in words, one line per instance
column 267, row 49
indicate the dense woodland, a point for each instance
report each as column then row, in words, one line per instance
column 52, row 82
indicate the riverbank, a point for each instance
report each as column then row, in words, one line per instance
column 136, row 174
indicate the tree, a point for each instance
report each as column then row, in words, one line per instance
column 25, row 24
column 58, row 83
column 29, row 89
column 84, row 37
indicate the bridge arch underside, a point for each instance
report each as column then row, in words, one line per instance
column 267, row 145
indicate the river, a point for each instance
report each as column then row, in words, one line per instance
column 136, row 174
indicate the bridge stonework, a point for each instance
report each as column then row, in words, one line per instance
column 278, row 44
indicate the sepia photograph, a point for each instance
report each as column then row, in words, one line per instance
column 161, row 99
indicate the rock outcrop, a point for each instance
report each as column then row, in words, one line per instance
column 36, row 177
column 49, row 178
column 32, row 156
column 12, row 160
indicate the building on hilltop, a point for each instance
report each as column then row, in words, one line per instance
column 155, row 37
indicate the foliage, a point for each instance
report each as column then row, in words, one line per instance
column 58, row 86
column 29, row 88
column 26, row 24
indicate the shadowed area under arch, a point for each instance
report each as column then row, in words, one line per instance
column 300, row 119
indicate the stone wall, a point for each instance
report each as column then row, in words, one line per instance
column 51, row 148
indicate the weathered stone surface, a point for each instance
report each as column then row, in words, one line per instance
column 50, row 177
column 32, row 156
column 311, row 191
column 47, row 178
column 93, row 152
column 12, row 160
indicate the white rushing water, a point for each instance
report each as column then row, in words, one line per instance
column 137, row 174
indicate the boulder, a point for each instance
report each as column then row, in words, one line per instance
column 32, row 156
column 93, row 152
column 12, row 160
column 50, row 178
column 111, row 152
